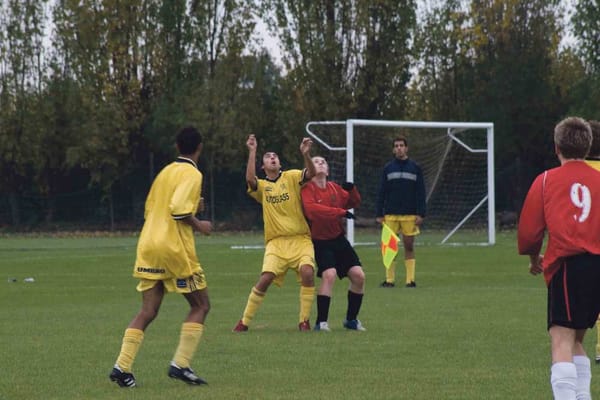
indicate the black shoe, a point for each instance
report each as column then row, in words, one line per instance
column 411, row 284
column 598, row 359
column 387, row 284
column 123, row 379
column 186, row 375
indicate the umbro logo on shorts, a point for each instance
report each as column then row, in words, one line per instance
column 181, row 283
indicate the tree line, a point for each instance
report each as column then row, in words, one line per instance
column 93, row 91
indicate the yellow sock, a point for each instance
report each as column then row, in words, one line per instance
column 307, row 295
column 390, row 273
column 410, row 270
column 191, row 332
column 132, row 341
column 254, row 301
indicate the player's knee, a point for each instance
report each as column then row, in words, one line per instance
column 308, row 280
column 307, row 274
column 203, row 307
column 328, row 276
column 356, row 276
column 148, row 314
column 265, row 281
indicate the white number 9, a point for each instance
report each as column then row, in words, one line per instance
column 581, row 198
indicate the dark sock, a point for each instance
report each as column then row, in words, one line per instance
column 354, row 303
column 322, row 308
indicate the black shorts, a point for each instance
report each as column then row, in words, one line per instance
column 335, row 253
column 574, row 292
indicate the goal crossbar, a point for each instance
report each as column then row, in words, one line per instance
column 452, row 128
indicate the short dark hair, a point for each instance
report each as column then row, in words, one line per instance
column 595, row 149
column 401, row 138
column 573, row 137
column 188, row 140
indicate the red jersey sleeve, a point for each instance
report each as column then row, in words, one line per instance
column 353, row 199
column 532, row 225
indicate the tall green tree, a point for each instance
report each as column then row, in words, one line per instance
column 348, row 58
column 495, row 60
column 437, row 90
column 586, row 29
column 21, row 76
column 99, row 42
column 516, row 46
column 221, row 77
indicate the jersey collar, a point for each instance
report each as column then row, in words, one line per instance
column 276, row 178
column 186, row 160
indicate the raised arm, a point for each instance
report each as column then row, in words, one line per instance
column 309, row 167
column 251, row 143
column 353, row 195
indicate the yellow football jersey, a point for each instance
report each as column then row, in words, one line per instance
column 281, row 204
column 594, row 164
column 166, row 246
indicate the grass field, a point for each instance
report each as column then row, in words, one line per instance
column 474, row 328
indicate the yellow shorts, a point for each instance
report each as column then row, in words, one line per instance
column 288, row 252
column 404, row 224
column 176, row 285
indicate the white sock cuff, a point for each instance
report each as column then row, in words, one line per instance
column 583, row 361
column 563, row 370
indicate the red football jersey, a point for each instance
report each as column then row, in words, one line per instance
column 325, row 208
column 565, row 201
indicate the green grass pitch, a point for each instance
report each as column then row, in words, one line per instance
column 474, row 328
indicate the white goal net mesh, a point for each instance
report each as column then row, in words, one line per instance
column 456, row 179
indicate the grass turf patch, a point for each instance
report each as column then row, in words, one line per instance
column 474, row 328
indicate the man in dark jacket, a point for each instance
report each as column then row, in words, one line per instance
column 401, row 206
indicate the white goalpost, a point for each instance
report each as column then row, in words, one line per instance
column 457, row 159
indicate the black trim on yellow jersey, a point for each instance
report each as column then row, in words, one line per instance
column 303, row 180
column 181, row 216
column 186, row 160
column 274, row 180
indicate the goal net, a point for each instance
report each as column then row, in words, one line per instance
column 456, row 160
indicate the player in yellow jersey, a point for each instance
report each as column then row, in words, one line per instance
column 593, row 159
column 166, row 261
column 287, row 236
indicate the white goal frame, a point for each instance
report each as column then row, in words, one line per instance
column 452, row 129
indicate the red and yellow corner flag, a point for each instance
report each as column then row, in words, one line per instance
column 389, row 245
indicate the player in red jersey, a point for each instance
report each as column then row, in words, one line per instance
column 563, row 201
column 326, row 204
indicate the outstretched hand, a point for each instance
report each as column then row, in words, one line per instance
column 306, row 145
column 251, row 143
